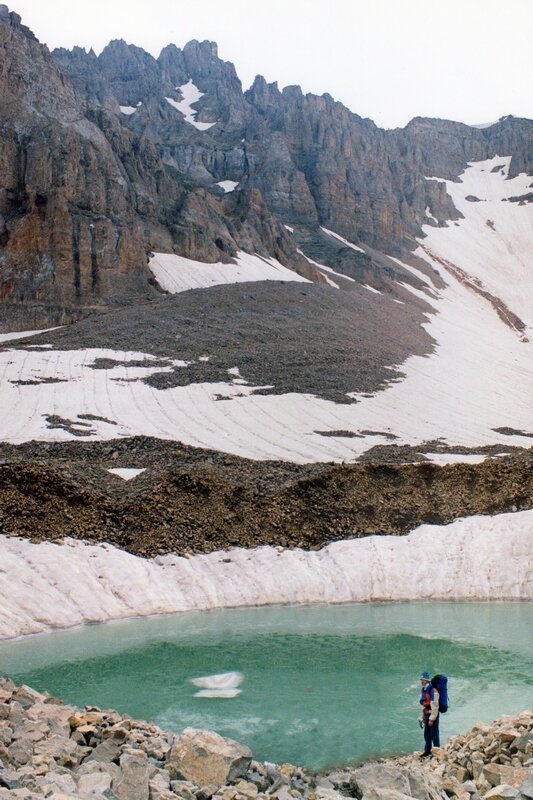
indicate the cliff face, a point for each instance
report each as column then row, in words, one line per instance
column 67, row 225
column 106, row 158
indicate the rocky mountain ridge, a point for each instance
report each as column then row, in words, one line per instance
column 100, row 168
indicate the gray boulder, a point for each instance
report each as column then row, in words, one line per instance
column 20, row 752
column 204, row 757
column 501, row 792
column 55, row 717
column 107, row 751
column 381, row 793
column 327, row 793
column 159, row 787
column 497, row 774
column 54, row 783
column 527, row 788
column 27, row 696
column 95, row 783
column 133, row 782
column 376, row 782
column 65, row 751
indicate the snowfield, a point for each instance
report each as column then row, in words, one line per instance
column 178, row 274
column 58, row 585
column 494, row 241
column 475, row 389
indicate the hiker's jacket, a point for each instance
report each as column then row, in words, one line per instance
column 429, row 700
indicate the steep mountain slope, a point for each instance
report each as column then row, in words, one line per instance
column 131, row 154
column 66, row 213
column 84, row 198
column 305, row 373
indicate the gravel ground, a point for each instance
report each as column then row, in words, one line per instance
column 298, row 338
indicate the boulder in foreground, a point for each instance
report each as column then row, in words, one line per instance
column 205, row 757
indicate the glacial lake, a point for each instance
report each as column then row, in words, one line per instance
column 322, row 686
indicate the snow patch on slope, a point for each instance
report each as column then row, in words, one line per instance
column 126, row 473
column 178, row 274
column 494, row 241
column 10, row 337
column 475, row 389
column 190, row 95
column 342, row 239
column 323, row 269
column 228, row 186
column 51, row 585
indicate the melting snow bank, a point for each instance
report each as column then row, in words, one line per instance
column 178, row 274
column 9, row 337
column 51, row 585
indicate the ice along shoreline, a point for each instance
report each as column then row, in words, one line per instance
column 50, row 585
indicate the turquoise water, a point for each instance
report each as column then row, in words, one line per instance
column 323, row 686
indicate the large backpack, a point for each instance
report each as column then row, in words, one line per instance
column 440, row 683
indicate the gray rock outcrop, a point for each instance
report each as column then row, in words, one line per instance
column 87, row 191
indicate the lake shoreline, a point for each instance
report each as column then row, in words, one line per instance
column 63, row 584
column 51, row 749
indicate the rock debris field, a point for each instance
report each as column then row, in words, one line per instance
column 52, row 750
column 189, row 500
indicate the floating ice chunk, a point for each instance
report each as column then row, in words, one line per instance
column 218, row 693
column 222, row 680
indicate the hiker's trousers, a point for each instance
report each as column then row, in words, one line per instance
column 431, row 735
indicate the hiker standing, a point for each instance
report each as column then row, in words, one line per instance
column 429, row 720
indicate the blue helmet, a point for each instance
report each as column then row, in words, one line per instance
column 425, row 676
